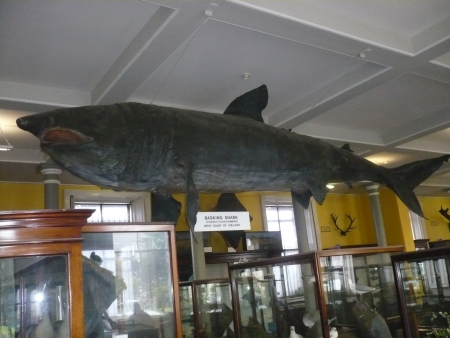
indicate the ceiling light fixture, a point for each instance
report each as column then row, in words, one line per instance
column 246, row 76
column 7, row 146
column 330, row 186
column 4, row 147
column 362, row 55
column 209, row 11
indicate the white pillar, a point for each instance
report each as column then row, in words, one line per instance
column 303, row 247
column 377, row 214
column 198, row 256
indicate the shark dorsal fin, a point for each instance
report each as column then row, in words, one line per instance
column 250, row 104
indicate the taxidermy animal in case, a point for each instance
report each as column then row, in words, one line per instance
column 133, row 146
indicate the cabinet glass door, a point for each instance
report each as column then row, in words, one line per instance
column 34, row 297
column 132, row 292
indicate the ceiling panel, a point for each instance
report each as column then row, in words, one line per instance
column 375, row 74
column 407, row 26
column 69, row 44
column 441, row 136
column 443, row 60
column 207, row 71
column 407, row 18
column 406, row 99
column 391, row 160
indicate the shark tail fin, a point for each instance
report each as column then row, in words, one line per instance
column 403, row 179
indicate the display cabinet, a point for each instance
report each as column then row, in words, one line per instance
column 40, row 273
column 131, row 276
column 263, row 240
column 440, row 243
column 349, row 292
column 423, row 287
column 206, row 308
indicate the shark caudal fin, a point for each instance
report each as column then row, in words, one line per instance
column 403, row 179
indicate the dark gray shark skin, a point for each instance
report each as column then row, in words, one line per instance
column 133, row 146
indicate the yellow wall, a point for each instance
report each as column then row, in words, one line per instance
column 358, row 207
column 28, row 196
column 397, row 224
column 25, row 196
column 437, row 226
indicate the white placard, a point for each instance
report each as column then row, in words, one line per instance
column 223, row 221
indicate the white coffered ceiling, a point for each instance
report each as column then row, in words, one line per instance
column 372, row 73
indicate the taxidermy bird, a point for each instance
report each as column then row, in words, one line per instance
column 357, row 289
column 309, row 320
column 294, row 334
column 333, row 333
column 96, row 258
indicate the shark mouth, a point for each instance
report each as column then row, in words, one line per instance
column 63, row 136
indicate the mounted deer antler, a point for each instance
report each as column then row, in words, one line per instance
column 344, row 232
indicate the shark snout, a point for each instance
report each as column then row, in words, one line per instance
column 48, row 133
column 21, row 123
column 28, row 123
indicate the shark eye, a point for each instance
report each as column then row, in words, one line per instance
column 64, row 136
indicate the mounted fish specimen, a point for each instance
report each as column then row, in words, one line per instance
column 133, row 146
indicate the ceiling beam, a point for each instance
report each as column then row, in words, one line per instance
column 149, row 50
column 419, row 128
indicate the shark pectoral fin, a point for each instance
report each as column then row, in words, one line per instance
column 319, row 192
column 192, row 205
column 250, row 104
column 303, row 197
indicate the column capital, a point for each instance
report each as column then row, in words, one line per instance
column 373, row 189
column 49, row 169
column 51, row 182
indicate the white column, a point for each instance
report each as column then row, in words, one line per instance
column 198, row 256
column 303, row 247
column 377, row 214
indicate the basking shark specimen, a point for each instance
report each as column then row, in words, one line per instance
column 133, row 146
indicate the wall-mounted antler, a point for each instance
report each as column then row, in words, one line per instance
column 344, row 232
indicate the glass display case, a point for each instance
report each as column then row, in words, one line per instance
column 40, row 271
column 423, row 286
column 345, row 292
column 129, row 272
column 206, row 308
column 263, row 240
